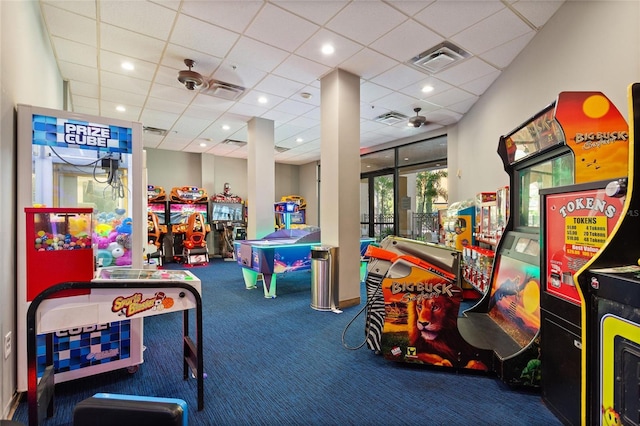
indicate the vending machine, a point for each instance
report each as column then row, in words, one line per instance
column 80, row 198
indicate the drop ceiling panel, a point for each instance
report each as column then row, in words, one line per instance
column 451, row 17
column 232, row 15
column 483, row 36
column 82, row 29
column 280, row 28
column 203, row 37
column 130, row 43
column 365, row 22
column 142, row 17
column 406, row 41
column 368, row 63
column 273, row 47
column 318, row 12
column 258, row 54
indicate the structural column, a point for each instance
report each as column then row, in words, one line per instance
column 340, row 177
column 261, row 178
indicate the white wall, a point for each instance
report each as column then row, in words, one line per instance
column 586, row 45
column 28, row 75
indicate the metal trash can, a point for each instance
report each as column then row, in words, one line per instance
column 324, row 278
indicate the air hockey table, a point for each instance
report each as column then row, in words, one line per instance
column 113, row 295
column 282, row 251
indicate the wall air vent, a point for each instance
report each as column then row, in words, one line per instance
column 220, row 89
column 234, row 142
column 154, row 131
column 438, row 58
column 390, row 118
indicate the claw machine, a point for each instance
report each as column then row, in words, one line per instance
column 80, row 196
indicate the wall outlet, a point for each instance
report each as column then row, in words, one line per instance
column 8, row 345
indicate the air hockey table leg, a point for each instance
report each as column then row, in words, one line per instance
column 269, row 284
column 250, row 278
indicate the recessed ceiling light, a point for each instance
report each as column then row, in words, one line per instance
column 328, row 49
column 120, row 108
column 263, row 99
column 225, row 127
column 202, row 144
column 127, row 66
column 306, row 95
column 427, row 89
column 299, row 140
column 406, row 158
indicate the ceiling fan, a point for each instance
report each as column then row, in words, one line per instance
column 418, row 120
column 191, row 79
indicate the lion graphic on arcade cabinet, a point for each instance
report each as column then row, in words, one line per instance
column 433, row 331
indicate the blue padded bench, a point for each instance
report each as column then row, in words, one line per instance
column 107, row 409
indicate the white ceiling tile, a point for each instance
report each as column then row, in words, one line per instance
column 85, row 89
column 178, row 94
column 75, row 53
column 232, row 15
column 300, row 69
column 451, row 96
column 304, row 123
column 480, row 85
column 502, row 55
column 451, row 17
column 344, row 48
column 240, row 75
column 465, row 71
column 318, row 12
column 77, row 72
column 150, row 140
column 85, row 102
column 483, row 36
column 397, row 102
column 370, row 92
column 294, row 107
column 123, row 97
column 190, row 126
column 537, row 12
column 108, row 109
column 171, row 4
column 203, row 37
column 252, row 97
column 406, row 41
column 130, row 43
column 409, row 7
column 140, row 16
column 196, row 111
column 365, row 21
column 278, row 117
column 273, row 84
column 158, row 119
column 280, row 28
column 84, row 8
column 58, row 22
column 398, row 77
column 112, row 62
column 248, row 110
column 125, row 83
column 368, row 63
column 464, row 106
column 211, row 102
column 257, row 54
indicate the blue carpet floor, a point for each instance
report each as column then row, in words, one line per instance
column 279, row 362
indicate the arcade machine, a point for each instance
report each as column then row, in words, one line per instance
column 459, row 223
column 228, row 220
column 156, row 222
column 188, row 212
column 297, row 218
column 501, row 332
column 285, row 212
column 557, row 146
column 68, row 163
column 609, row 291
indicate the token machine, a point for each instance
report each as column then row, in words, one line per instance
column 608, row 286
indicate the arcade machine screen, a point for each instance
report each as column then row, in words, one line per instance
column 159, row 210
column 179, row 213
column 227, row 212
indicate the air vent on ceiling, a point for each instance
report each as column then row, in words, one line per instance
column 154, row 131
column 234, row 142
column 390, row 118
column 224, row 90
column 281, row 149
column 438, row 58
